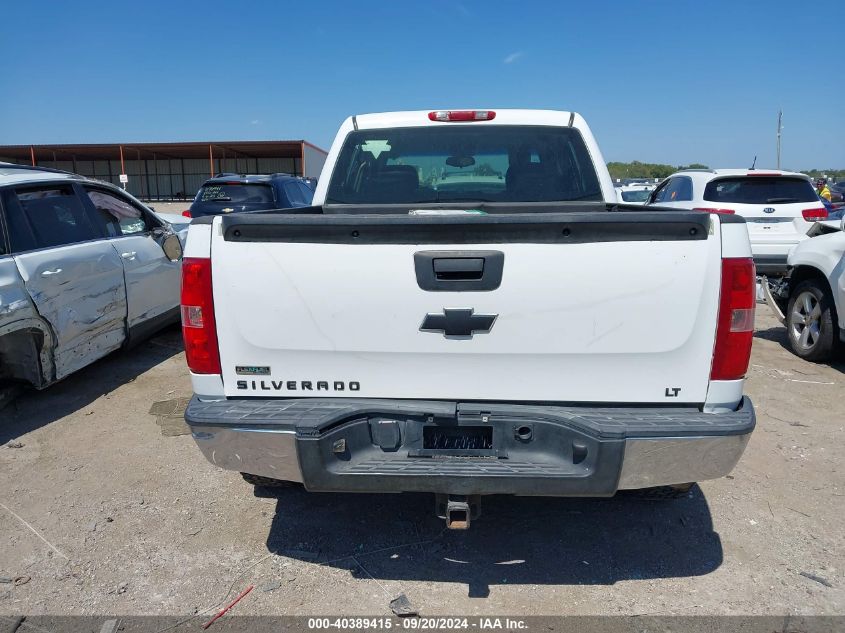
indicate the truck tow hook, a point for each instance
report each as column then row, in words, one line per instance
column 458, row 510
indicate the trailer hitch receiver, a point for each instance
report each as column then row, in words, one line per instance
column 458, row 510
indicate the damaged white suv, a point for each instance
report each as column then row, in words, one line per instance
column 85, row 268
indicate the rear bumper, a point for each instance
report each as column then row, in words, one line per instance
column 380, row 445
column 771, row 264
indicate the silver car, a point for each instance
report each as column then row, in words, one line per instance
column 85, row 268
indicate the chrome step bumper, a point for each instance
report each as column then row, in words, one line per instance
column 379, row 445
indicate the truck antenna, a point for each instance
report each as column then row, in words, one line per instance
column 754, row 163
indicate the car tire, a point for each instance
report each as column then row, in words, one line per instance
column 811, row 321
column 661, row 493
column 267, row 482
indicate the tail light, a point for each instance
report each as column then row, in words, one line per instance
column 720, row 211
column 735, row 327
column 814, row 215
column 186, row 213
column 198, row 326
column 461, row 115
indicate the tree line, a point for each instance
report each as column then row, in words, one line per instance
column 836, row 174
column 636, row 169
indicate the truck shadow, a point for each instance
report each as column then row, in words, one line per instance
column 33, row 409
column 516, row 541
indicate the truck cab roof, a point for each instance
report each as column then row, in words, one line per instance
column 414, row 118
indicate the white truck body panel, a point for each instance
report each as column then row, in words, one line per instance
column 567, row 330
column 598, row 322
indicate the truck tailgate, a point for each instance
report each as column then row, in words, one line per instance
column 589, row 307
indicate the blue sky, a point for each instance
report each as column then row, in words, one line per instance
column 672, row 82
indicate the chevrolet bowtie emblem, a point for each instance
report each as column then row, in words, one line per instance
column 458, row 322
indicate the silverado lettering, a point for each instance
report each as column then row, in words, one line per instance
column 298, row 385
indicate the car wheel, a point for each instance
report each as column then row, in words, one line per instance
column 811, row 321
column 267, row 482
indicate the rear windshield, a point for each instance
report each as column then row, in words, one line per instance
column 636, row 196
column 235, row 192
column 457, row 163
column 760, row 190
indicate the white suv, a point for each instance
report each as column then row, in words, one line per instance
column 779, row 206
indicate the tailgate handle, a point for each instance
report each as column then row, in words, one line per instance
column 459, row 271
column 458, row 268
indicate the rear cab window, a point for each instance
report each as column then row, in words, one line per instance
column 464, row 163
column 760, row 190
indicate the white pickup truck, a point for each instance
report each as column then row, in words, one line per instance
column 517, row 332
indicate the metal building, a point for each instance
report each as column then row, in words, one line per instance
column 171, row 171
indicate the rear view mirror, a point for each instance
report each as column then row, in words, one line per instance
column 172, row 247
column 460, row 161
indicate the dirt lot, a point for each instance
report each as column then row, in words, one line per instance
column 135, row 521
column 175, row 208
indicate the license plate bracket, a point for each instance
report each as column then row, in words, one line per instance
column 457, row 438
column 457, row 441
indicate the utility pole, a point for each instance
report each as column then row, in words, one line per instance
column 780, row 127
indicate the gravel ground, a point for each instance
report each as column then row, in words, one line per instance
column 131, row 519
column 170, row 207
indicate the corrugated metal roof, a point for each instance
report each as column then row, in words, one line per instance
column 106, row 151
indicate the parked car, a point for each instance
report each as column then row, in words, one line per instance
column 85, row 268
column 779, row 206
column 811, row 300
column 522, row 339
column 231, row 193
column 634, row 194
